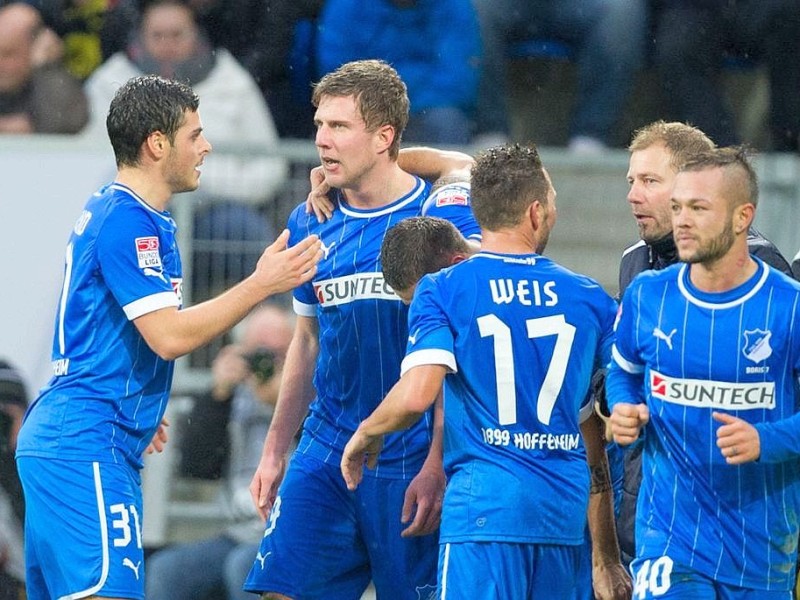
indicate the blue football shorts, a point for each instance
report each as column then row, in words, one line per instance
column 661, row 578
column 323, row 541
column 83, row 533
column 503, row 570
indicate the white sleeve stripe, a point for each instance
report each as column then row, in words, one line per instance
column 431, row 356
column 626, row 365
column 304, row 310
column 149, row 304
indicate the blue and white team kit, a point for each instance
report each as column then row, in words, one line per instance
column 521, row 337
column 704, row 526
column 362, row 332
column 80, row 447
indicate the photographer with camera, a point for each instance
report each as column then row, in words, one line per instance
column 223, row 439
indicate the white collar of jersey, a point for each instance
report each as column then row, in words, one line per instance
column 413, row 195
column 124, row 188
column 684, row 273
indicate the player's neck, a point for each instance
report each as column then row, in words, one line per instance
column 508, row 241
column 379, row 187
column 725, row 273
column 148, row 187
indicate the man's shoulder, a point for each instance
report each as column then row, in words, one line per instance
column 764, row 249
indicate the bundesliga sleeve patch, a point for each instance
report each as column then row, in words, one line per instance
column 147, row 252
column 452, row 196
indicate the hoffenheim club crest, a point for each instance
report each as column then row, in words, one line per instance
column 756, row 345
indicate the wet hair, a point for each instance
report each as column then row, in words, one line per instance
column 417, row 246
column 379, row 92
column 740, row 179
column 505, row 181
column 143, row 106
column 680, row 139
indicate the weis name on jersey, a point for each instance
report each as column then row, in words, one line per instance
column 703, row 393
column 147, row 252
column 527, row 293
column 531, row 441
column 350, row 288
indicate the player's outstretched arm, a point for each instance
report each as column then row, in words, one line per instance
column 610, row 579
column 172, row 333
column 424, row 495
column 294, row 398
column 403, row 406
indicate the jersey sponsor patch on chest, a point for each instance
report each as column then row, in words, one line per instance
column 350, row 288
column 147, row 253
column 705, row 393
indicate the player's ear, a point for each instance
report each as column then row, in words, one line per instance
column 385, row 136
column 743, row 217
column 155, row 144
column 536, row 214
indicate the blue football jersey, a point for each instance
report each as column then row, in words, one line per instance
column 362, row 331
column 521, row 337
column 688, row 353
column 453, row 202
column 109, row 389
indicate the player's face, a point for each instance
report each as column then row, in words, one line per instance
column 701, row 217
column 182, row 170
column 346, row 149
column 651, row 179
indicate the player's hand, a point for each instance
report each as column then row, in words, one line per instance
column 265, row 483
column 737, row 440
column 281, row 269
column 627, row 421
column 360, row 449
column 160, row 438
column 317, row 200
column 611, row 582
column 423, row 501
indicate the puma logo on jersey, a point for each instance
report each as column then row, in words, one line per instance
column 326, row 249
column 413, row 338
column 151, row 272
column 663, row 336
column 127, row 562
column 262, row 557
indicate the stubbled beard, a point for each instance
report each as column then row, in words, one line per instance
column 713, row 249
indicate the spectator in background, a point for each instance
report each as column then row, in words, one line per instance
column 37, row 95
column 692, row 38
column 261, row 35
column 433, row 44
column 170, row 43
column 608, row 39
column 13, row 402
column 246, row 377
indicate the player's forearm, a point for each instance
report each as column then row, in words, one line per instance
column 436, row 450
column 779, row 440
column 296, row 391
column 432, row 164
column 622, row 386
column 600, row 514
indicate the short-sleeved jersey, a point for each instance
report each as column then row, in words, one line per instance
column 521, row 337
column 362, row 331
column 109, row 389
column 453, row 202
column 690, row 353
